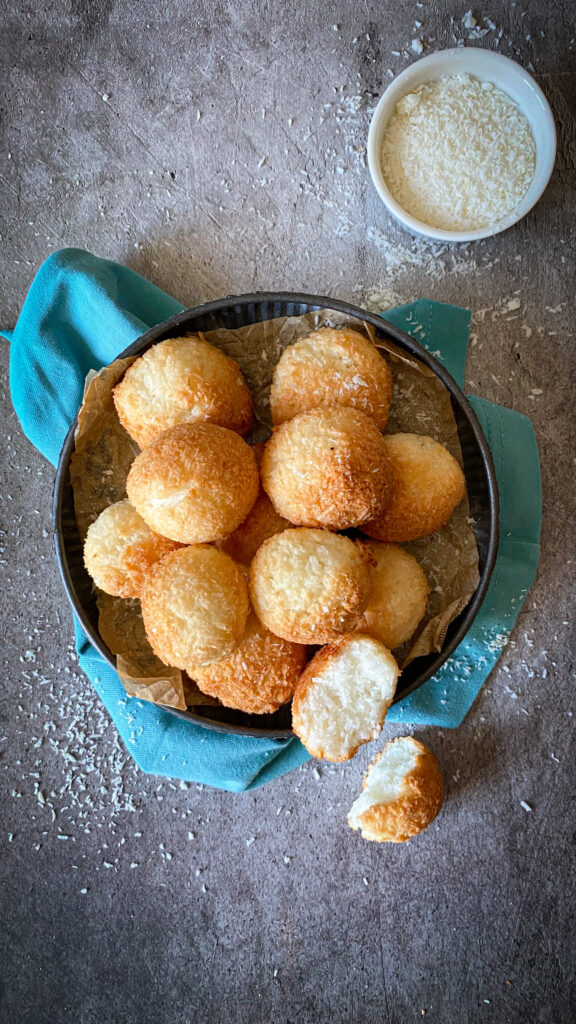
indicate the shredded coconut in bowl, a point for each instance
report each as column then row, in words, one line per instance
column 458, row 154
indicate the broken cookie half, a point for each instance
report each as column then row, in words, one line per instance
column 343, row 695
column 402, row 793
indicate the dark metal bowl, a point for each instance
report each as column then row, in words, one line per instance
column 238, row 311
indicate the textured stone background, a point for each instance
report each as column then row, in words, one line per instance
column 218, row 148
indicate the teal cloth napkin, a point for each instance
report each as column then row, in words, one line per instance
column 79, row 314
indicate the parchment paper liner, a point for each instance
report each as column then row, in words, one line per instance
column 104, row 452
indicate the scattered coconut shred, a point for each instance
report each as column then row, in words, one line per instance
column 458, row 153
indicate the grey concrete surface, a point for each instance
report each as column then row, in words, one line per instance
column 218, row 148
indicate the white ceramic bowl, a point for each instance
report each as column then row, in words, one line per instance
column 507, row 76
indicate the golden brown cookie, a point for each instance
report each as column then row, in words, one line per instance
column 427, row 484
column 195, row 483
column 398, row 597
column 331, row 366
column 328, row 468
column 120, row 549
column 194, row 605
column 182, row 380
column 310, row 586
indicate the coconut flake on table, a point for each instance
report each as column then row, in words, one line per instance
column 458, row 154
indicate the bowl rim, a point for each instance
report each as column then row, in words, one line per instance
column 400, row 85
column 314, row 302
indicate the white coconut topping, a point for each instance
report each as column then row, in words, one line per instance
column 458, row 154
